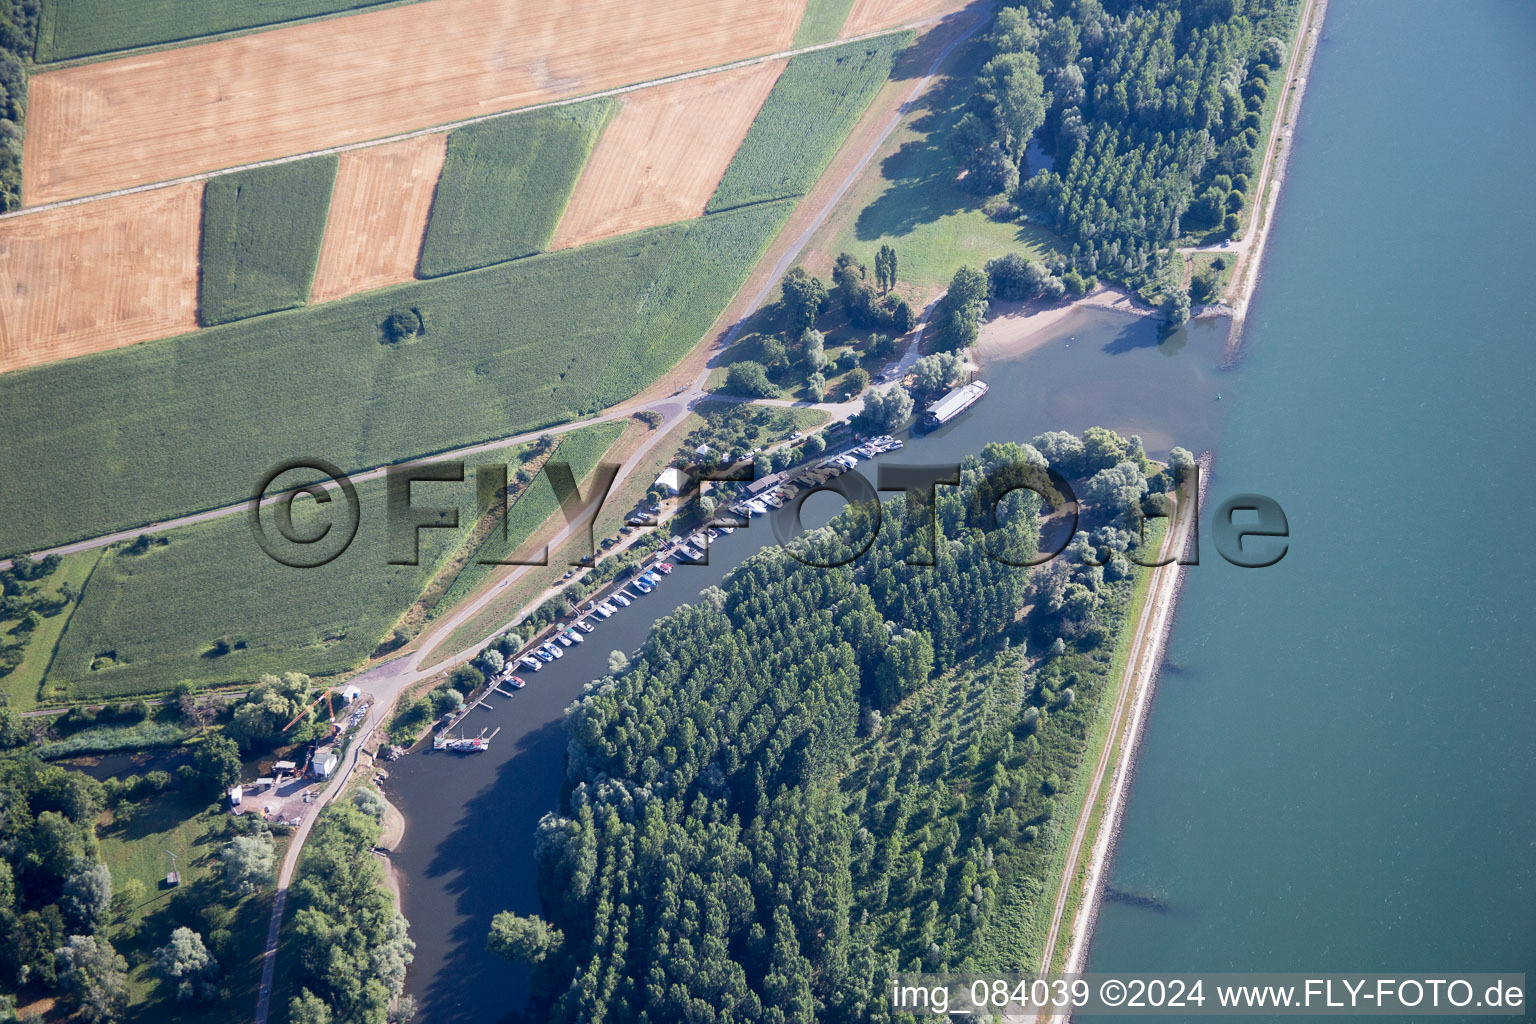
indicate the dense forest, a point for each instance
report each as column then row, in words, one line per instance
column 18, row 35
column 1152, row 113
column 351, row 942
column 55, row 893
column 817, row 776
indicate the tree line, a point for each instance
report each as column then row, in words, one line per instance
column 18, row 39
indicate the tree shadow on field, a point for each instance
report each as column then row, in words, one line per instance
column 922, row 174
column 915, row 60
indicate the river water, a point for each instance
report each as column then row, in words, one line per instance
column 1338, row 771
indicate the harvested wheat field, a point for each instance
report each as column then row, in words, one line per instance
column 98, row 275
column 874, row 15
column 378, row 215
column 304, row 88
column 660, row 159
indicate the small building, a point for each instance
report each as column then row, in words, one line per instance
column 671, row 481
column 173, row 879
column 235, row 795
column 284, row 767
column 702, row 450
column 263, row 784
column 325, row 762
column 351, row 694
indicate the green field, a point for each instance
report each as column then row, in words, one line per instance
column 157, row 615
column 261, row 238
column 913, row 203
column 505, row 184
column 22, row 686
column 582, row 450
column 80, row 28
column 137, row 434
column 815, row 103
column 822, row 22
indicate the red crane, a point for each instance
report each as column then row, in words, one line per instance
column 326, row 696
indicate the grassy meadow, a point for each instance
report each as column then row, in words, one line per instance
column 505, row 184
column 813, row 106
column 23, row 685
column 910, row 199
column 262, row 230
column 822, row 21
column 135, row 843
column 81, row 28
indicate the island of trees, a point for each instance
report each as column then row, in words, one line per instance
column 817, row 776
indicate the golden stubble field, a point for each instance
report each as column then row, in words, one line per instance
column 660, row 159
column 113, row 124
column 874, row 15
column 98, row 275
column 378, row 215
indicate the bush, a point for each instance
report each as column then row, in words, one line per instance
column 750, row 379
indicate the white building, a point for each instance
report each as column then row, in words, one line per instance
column 325, row 762
column 671, row 480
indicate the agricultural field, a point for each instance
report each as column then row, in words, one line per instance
column 209, row 607
column 494, row 352
column 82, row 28
column 817, row 101
column 874, row 15
column 106, row 125
column 823, row 21
column 22, row 685
column 151, row 620
column 378, row 216
column 262, row 230
column 908, row 198
column 505, row 184
column 98, row 276
column 663, row 155
column 583, row 450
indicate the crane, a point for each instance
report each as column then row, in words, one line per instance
column 326, row 696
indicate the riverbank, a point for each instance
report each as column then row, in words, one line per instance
column 1245, row 277
column 1141, row 679
column 1015, row 329
column 394, row 832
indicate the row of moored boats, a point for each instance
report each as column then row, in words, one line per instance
column 820, row 473
column 552, row 649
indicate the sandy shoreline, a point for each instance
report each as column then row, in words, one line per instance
column 394, row 831
column 1246, row 277
column 1016, row 328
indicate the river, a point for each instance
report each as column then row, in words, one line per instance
column 1339, row 772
